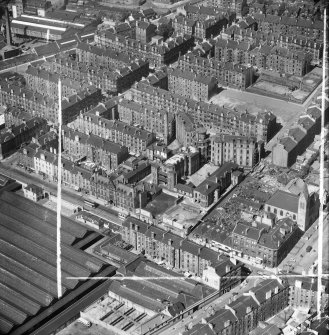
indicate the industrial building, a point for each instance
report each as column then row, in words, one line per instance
column 28, row 287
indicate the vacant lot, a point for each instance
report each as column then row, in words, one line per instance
column 286, row 112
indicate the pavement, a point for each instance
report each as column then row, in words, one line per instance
column 218, row 303
column 76, row 328
column 8, row 168
column 298, row 259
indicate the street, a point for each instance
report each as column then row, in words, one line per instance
column 215, row 305
column 9, row 169
column 299, row 259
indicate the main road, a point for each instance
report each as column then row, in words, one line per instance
column 10, row 170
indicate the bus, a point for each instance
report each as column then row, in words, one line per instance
column 90, row 204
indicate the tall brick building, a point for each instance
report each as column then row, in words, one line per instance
column 227, row 73
column 180, row 253
column 242, row 150
column 102, row 152
column 162, row 123
column 157, row 55
column 210, row 116
column 134, row 138
column 191, row 85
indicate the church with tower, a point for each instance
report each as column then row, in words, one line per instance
column 296, row 202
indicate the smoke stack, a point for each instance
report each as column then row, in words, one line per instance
column 8, row 32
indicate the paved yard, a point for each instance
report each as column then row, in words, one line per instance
column 77, row 328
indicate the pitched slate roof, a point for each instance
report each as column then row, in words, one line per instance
column 284, row 200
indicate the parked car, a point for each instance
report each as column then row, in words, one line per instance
column 308, row 248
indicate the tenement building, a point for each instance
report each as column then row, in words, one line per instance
column 110, row 80
column 157, row 121
column 244, row 313
column 134, row 138
column 14, row 137
column 191, row 85
column 245, row 151
column 182, row 254
column 79, row 145
column 265, row 243
column 227, row 73
column 276, row 58
column 46, row 83
column 158, row 55
column 210, row 116
column 46, row 107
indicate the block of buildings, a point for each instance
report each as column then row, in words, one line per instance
column 78, row 146
column 213, row 186
column 157, row 55
column 227, row 73
column 182, row 254
column 46, row 107
column 184, row 25
column 14, row 137
column 245, row 151
column 145, row 31
column 262, row 125
column 46, row 83
column 191, row 84
column 114, row 79
column 14, row 116
column 162, row 123
column 286, row 150
column 265, row 243
column 303, row 292
column 171, row 171
column 244, row 313
column 264, row 56
column 134, row 138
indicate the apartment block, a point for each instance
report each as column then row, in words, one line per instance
column 107, row 58
column 227, row 73
column 151, row 119
column 242, row 150
column 157, row 55
column 289, row 25
column 265, row 244
column 191, row 85
column 46, row 83
column 243, row 314
column 171, row 171
column 288, row 148
column 134, row 138
column 109, row 80
column 180, row 253
column 14, row 116
column 184, row 25
column 102, row 152
column 276, row 58
column 12, row 138
column 219, row 119
column 145, row 31
column 46, row 107
column 213, row 186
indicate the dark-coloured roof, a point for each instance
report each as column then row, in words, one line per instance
column 284, row 200
column 28, row 259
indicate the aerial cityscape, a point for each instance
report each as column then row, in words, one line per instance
column 164, row 167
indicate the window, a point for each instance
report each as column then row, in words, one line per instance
column 275, row 211
column 281, row 213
